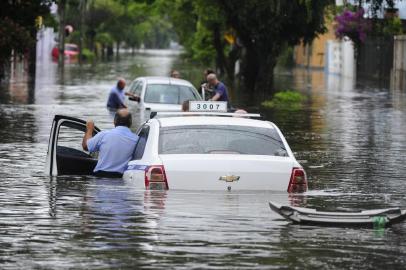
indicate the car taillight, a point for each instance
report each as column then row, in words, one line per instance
column 155, row 178
column 298, row 181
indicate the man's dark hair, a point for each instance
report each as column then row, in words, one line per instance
column 123, row 118
column 209, row 71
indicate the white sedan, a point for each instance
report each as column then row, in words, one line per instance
column 191, row 151
column 206, row 152
column 161, row 93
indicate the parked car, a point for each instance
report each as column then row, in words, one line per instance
column 208, row 152
column 71, row 52
column 161, row 93
column 194, row 151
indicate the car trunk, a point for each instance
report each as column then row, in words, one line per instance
column 226, row 171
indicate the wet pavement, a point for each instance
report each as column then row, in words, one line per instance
column 350, row 139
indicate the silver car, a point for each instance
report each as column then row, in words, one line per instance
column 161, row 93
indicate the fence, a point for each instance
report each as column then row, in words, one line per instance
column 375, row 58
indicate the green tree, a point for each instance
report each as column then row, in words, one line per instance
column 259, row 30
column 18, row 30
column 265, row 27
column 200, row 27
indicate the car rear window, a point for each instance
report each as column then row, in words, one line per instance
column 169, row 94
column 71, row 48
column 216, row 139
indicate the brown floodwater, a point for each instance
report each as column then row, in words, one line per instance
column 351, row 139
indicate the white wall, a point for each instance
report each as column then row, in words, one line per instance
column 340, row 58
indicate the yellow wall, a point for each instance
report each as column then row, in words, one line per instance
column 312, row 55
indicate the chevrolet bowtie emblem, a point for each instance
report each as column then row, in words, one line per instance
column 229, row 178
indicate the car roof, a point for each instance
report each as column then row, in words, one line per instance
column 164, row 80
column 212, row 120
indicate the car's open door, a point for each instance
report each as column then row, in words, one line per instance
column 65, row 155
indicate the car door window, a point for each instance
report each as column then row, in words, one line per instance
column 138, row 88
column 133, row 87
column 142, row 141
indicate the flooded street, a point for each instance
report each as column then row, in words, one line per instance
column 350, row 139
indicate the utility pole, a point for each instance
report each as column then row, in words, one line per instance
column 82, row 10
column 61, row 45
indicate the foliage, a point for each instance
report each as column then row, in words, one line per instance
column 202, row 49
column 285, row 58
column 353, row 25
column 131, row 22
column 88, row 55
column 104, row 39
column 392, row 26
column 265, row 27
column 17, row 27
column 18, row 39
column 287, row 100
column 254, row 32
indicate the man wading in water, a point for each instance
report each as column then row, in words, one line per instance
column 115, row 147
column 117, row 96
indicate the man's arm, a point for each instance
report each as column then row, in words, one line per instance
column 216, row 97
column 132, row 96
column 129, row 94
column 219, row 90
column 88, row 134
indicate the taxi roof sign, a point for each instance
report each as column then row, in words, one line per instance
column 207, row 106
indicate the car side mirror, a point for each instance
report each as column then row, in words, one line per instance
column 136, row 99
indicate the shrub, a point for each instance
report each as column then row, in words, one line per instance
column 392, row 27
column 88, row 55
column 288, row 100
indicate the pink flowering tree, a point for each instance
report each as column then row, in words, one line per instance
column 353, row 25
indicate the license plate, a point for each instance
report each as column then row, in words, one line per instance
column 156, row 186
column 207, row 106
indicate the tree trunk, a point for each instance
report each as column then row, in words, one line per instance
column 257, row 71
column 264, row 87
column 117, row 49
column 249, row 68
column 61, row 46
column 32, row 61
column 82, row 7
column 231, row 59
column 218, row 46
column 110, row 51
column 103, row 51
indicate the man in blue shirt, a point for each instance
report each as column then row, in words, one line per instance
column 220, row 90
column 117, row 96
column 115, row 147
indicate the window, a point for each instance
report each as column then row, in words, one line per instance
column 72, row 48
column 142, row 142
column 169, row 94
column 133, row 86
column 70, row 137
column 217, row 139
column 69, row 141
column 138, row 88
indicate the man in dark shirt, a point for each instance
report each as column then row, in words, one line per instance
column 205, row 90
column 117, row 96
column 220, row 90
